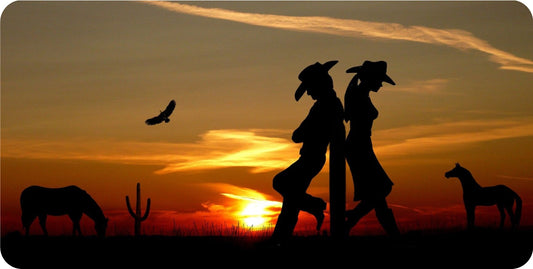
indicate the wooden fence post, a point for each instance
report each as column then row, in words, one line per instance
column 337, row 182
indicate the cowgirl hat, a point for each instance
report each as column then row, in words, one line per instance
column 372, row 70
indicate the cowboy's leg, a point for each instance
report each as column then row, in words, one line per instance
column 286, row 184
column 314, row 206
column 292, row 183
column 287, row 219
column 386, row 217
column 309, row 167
column 291, row 180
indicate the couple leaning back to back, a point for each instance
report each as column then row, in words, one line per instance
column 371, row 182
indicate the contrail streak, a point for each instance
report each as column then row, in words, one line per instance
column 455, row 38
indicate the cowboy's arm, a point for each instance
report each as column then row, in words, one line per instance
column 314, row 123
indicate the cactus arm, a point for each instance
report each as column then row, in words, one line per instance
column 129, row 207
column 147, row 210
column 138, row 206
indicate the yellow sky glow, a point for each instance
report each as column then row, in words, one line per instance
column 261, row 150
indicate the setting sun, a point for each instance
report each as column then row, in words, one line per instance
column 255, row 212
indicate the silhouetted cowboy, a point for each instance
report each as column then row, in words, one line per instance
column 315, row 132
column 371, row 182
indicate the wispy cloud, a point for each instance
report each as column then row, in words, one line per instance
column 515, row 177
column 454, row 38
column 446, row 136
column 430, row 86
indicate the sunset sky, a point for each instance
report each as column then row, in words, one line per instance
column 79, row 78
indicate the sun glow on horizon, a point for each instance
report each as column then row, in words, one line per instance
column 246, row 207
column 255, row 212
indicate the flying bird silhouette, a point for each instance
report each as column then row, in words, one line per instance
column 163, row 116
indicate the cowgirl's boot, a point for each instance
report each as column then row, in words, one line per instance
column 386, row 219
column 352, row 217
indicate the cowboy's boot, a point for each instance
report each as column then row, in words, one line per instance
column 316, row 207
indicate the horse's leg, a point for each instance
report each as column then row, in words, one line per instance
column 470, row 215
column 27, row 220
column 42, row 221
column 75, row 227
column 502, row 215
column 79, row 229
column 75, row 223
column 509, row 208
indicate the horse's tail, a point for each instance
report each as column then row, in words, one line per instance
column 518, row 210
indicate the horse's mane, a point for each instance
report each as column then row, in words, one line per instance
column 466, row 171
column 468, row 178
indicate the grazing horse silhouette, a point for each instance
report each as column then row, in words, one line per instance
column 39, row 202
column 473, row 195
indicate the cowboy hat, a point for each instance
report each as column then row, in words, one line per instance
column 377, row 70
column 315, row 73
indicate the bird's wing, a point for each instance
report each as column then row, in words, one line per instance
column 154, row 120
column 170, row 108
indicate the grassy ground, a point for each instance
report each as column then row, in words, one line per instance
column 453, row 249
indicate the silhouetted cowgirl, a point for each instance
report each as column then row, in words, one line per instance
column 315, row 132
column 371, row 182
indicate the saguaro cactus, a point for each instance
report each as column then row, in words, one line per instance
column 137, row 214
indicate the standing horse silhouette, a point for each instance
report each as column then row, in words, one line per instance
column 39, row 202
column 473, row 195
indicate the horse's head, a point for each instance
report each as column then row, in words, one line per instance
column 457, row 171
column 101, row 227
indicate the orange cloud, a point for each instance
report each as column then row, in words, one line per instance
column 260, row 150
column 454, row 38
column 237, row 148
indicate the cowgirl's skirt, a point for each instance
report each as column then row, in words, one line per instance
column 369, row 178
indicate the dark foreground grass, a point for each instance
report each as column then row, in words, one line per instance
column 455, row 249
